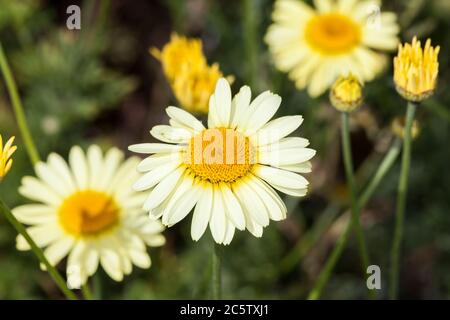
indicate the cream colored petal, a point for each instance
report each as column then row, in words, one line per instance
column 35, row 214
column 217, row 223
column 276, row 130
column 170, row 134
column 185, row 118
column 96, row 165
column 34, row 189
column 234, row 209
column 79, row 167
column 155, row 148
column 202, row 212
column 163, row 189
column 153, row 177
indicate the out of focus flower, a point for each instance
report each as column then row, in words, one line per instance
column 398, row 128
column 6, row 152
column 185, row 66
column 416, row 70
column 227, row 171
column 316, row 45
column 346, row 93
column 88, row 211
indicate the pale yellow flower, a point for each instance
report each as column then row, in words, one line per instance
column 225, row 172
column 85, row 209
column 6, row 152
column 316, row 45
column 346, row 94
column 416, row 70
column 185, row 66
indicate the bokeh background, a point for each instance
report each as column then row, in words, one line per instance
column 101, row 85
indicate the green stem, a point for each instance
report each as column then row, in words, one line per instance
column 250, row 34
column 216, row 273
column 37, row 251
column 18, row 108
column 383, row 169
column 87, row 293
column 401, row 202
column 348, row 164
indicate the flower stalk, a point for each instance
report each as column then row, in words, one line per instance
column 401, row 201
column 37, row 251
column 216, row 273
column 18, row 109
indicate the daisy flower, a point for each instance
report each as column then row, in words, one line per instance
column 316, row 45
column 226, row 172
column 6, row 152
column 87, row 210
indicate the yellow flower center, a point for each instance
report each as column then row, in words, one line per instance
column 332, row 34
column 220, row 155
column 88, row 213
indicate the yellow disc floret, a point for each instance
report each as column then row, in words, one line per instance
column 88, row 213
column 332, row 34
column 219, row 155
column 416, row 70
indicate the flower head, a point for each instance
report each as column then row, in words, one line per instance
column 6, row 152
column 416, row 70
column 88, row 211
column 226, row 172
column 191, row 78
column 346, row 93
column 398, row 128
column 316, row 45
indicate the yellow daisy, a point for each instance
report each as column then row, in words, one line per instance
column 185, row 67
column 227, row 171
column 88, row 211
column 316, row 45
column 6, row 152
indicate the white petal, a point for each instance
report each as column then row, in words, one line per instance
column 42, row 235
column 239, row 105
column 229, row 234
column 276, row 130
column 156, row 160
column 113, row 158
column 185, row 118
column 234, row 210
column 34, row 214
column 163, row 189
column 59, row 165
column 222, row 95
column 282, row 178
column 286, row 156
column 58, row 250
column 155, row 148
column 217, row 223
column 184, row 205
column 262, row 113
column 202, row 212
column 95, row 163
column 253, row 203
column 170, row 134
column 140, row 258
column 274, row 205
column 34, row 189
column 79, row 167
column 153, row 177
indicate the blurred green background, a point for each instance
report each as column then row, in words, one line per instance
column 101, row 85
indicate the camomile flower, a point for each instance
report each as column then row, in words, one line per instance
column 87, row 210
column 227, row 172
column 316, row 45
column 6, row 152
